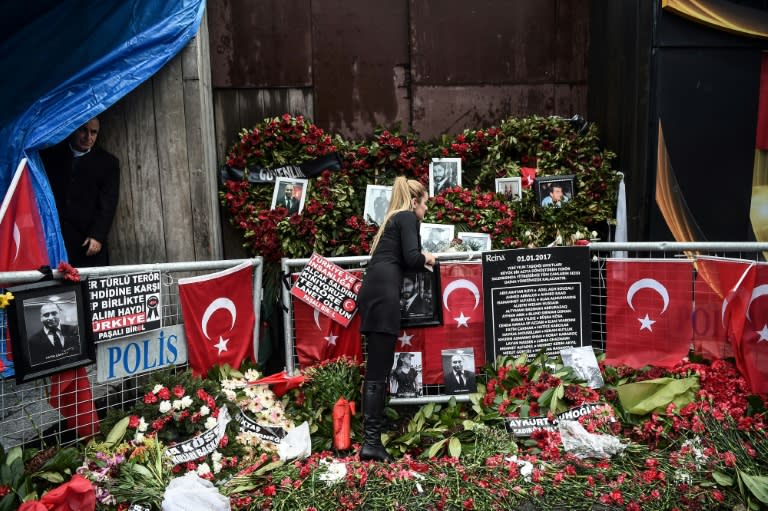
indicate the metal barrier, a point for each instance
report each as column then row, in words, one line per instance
column 25, row 414
column 599, row 253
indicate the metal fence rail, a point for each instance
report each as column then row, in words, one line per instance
column 599, row 253
column 25, row 414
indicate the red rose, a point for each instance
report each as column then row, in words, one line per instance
column 178, row 391
column 150, row 398
column 133, row 422
column 164, row 394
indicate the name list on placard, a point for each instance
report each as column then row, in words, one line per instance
column 536, row 299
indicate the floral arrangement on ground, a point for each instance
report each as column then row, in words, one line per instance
column 332, row 222
column 688, row 437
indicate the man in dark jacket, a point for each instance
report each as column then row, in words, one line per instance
column 54, row 340
column 459, row 380
column 86, row 183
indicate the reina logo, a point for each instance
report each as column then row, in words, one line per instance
column 494, row 257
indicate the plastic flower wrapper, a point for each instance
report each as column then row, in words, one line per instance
column 584, row 444
column 334, row 471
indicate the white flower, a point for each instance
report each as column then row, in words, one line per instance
column 157, row 388
column 177, row 404
column 593, row 234
column 203, row 469
column 526, row 470
column 231, row 395
column 210, row 423
column 165, row 406
column 138, row 438
column 252, row 375
column 217, row 467
column 186, row 402
column 142, row 425
column 216, row 456
column 204, row 410
column 252, row 391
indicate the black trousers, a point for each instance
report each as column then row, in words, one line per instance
column 381, row 355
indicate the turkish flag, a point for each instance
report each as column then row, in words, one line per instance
column 648, row 312
column 463, row 321
column 528, row 175
column 319, row 338
column 716, row 278
column 71, row 394
column 218, row 317
column 22, row 243
column 748, row 326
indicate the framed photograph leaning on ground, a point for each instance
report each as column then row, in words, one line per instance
column 377, row 199
column 476, row 241
column 444, row 173
column 289, row 194
column 436, row 237
column 420, row 298
column 48, row 329
column 510, row 187
column 554, row 191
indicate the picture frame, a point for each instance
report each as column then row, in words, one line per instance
column 290, row 193
column 420, row 300
column 510, row 187
column 546, row 190
column 405, row 378
column 377, row 199
column 444, row 173
column 459, row 374
column 36, row 312
column 481, row 239
column 436, row 237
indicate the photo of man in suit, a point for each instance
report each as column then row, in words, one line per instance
column 288, row 199
column 54, row 340
column 444, row 176
column 411, row 302
column 459, row 380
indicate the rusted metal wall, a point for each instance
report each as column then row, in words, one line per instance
column 433, row 66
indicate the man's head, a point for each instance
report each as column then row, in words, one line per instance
column 409, row 287
column 49, row 315
column 556, row 193
column 84, row 137
column 288, row 191
column 457, row 363
column 438, row 169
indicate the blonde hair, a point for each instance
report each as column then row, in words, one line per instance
column 403, row 191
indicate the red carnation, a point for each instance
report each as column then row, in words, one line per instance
column 150, row 398
column 164, row 394
column 178, row 391
column 133, row 422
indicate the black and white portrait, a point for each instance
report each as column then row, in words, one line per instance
column 377, row 199
column 405, row 380
column 459, row 371
column 444, row 173
column 416, row 296
column 436, row 237
column 57, row 335
column 289, row 194
column 510, row 188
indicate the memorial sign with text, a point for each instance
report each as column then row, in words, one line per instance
column 536, row 299
column 123, row 305
column 328, row 288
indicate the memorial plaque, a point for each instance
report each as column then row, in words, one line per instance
column 123, row 305
column 536, row 299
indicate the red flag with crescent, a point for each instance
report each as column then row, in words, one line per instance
column 747, row 313
column 22, row 243
column 218, row 317
column 319, row 338
column 463, row 325
column 717, row 279
column 648, row 312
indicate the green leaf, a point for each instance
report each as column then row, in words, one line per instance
column 13, row 454
column 435, row 448
column 722, row 479
column 454, row 447
column 758, row 485
column 428, row 409
column 53, row 477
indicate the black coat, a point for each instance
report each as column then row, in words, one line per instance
column 452, row 385
column 86, row 190
column 399, row 250
column 41, row 350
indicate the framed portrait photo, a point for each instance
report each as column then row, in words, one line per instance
column 444, row 173
column 290, row 194
column 436, row 237
column 459, row 371
column 510, row 187
column 49, row 332
column 554, row 191
column 377, row 199
column 420, row 303
column 405, row 379
column 476, row 241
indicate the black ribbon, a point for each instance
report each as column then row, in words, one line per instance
column 312, row 168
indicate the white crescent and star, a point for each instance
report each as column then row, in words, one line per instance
column 470, row 286
column 646, row 322
column 219, row 303
column 405, row 339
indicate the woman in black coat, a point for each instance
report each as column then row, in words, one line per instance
column 395, row 249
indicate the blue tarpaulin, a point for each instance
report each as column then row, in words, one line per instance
column 66, row 61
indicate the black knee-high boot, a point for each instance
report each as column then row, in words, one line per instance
column 374, row 393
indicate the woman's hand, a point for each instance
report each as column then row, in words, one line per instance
column 429, row 258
